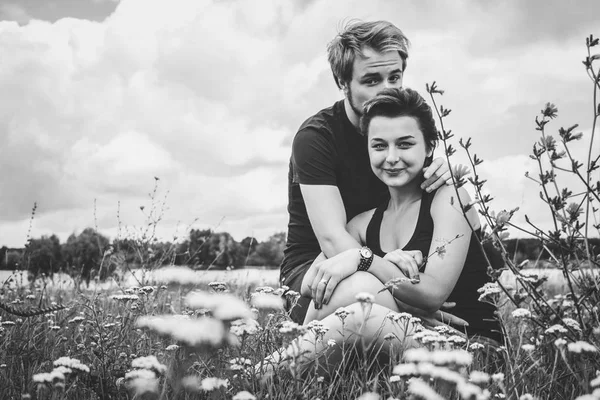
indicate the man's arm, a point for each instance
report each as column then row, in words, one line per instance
column 328, row 218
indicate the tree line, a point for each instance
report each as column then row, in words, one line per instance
column 90, row 254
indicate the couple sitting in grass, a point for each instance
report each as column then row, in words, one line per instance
column 368, row 160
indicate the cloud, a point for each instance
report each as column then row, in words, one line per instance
column 14, row 12
column 207, row 95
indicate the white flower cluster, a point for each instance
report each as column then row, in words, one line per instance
column 488, row 291
column 427, row 336
column 243, row 395
column 421, row 389
column 149, row 363
column 342, row 313
column 125, row 297
column 219, row 287
column 193, row 332
column 318, row 328
column 76, row 319
column 172, row 347
column 141, row 381
column 521, row 313
column 581, row 347
column 364, row 297
column 399, row 316
column 291, row 328
column 71, row 363
column 210, row 384
column 264, row 289
column 225, row 307
column 265, row 301
column 556, row 329
column 241, row 327
column 239, row 364
column 439, row 357
column 571, row 323
column 177, row 275
column 49, row 377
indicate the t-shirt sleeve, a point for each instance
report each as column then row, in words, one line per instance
column 313, row 156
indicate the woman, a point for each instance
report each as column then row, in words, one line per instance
column 437, row 246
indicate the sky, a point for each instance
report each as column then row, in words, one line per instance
column 100, row 97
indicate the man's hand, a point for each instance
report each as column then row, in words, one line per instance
column 324, row 276
column 436, row 175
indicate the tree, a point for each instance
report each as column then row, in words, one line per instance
column 84, row 253
column 43, row 256
column 270, row 252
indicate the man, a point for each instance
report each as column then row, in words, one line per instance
column 330, row 180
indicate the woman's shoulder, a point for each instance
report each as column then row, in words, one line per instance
column 446, row 195
column 357, row 226
column 448, row 199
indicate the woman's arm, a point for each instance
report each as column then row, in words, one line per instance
column 442, row 272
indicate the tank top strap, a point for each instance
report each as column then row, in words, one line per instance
column 373, row 229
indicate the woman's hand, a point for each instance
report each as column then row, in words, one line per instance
column 323, row 276
column 407, row 261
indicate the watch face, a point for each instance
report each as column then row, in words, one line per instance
column 366, row 252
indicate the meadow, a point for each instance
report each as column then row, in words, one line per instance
column 136, row 338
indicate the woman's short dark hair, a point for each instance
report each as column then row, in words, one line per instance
column 401, row 103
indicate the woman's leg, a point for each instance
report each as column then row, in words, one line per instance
column 345, row 294
column 362, row 331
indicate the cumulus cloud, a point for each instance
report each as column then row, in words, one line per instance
column 207, row 95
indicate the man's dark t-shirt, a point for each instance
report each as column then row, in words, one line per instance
column 327, row 150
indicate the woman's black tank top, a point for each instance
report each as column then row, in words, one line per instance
column 479, row 315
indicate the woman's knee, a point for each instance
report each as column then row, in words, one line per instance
column 345, row 292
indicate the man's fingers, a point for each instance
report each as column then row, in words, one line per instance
column 331, row 285
column 432, row 168
column 448, row 305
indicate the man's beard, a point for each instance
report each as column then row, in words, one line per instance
column 357, row 110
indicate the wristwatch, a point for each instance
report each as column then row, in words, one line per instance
column 366, row 259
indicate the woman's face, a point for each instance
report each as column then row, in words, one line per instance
column 397, row 149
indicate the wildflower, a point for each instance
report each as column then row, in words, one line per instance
column 225, row 307
column 521, row 313
column 55, row 328
column 479, row 377
column 210, row 384
column 369, row 396
column 596, row 381
column 141, row 382
column 2, row 366
column 8, row 323
column 172, row 347
column 267, row 301
column 125, row 297
column 398, row 316
column 150, row 363
column 76, row 319
column 460, row 171
column 48, row 377
column 498, row 378
column 476, row 346
column 342, row 313
column 394, row 378
column 581, row 347
column 556, row 329
column 441, row 329
column 318, row 328
column 110, row 324
column 332, row 342
column 526, row 396
column 291, row 328
column 560, row 342
column 264, row 289
column 419, row 388
column 71, row 363
column 528, row 347
column 405, row 369
column 488, row 290
column 218, row 287
column 550, row 111
column 244, row 395
column 241, row 327
column 455, row 339
column 571, row 323
column 239, row 363
column 364, row 297
column 196, row 332
column 468, row 390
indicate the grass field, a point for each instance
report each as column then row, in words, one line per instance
column 105, row 346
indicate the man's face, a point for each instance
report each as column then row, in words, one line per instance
column 371, row 73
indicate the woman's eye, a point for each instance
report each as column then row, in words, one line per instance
column 379, row 146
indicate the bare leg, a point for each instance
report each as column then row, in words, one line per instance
column 363, row 330
column 345, row 294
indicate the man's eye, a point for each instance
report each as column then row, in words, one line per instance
column 372, row 81
column 394, row 78
column 405, row 145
